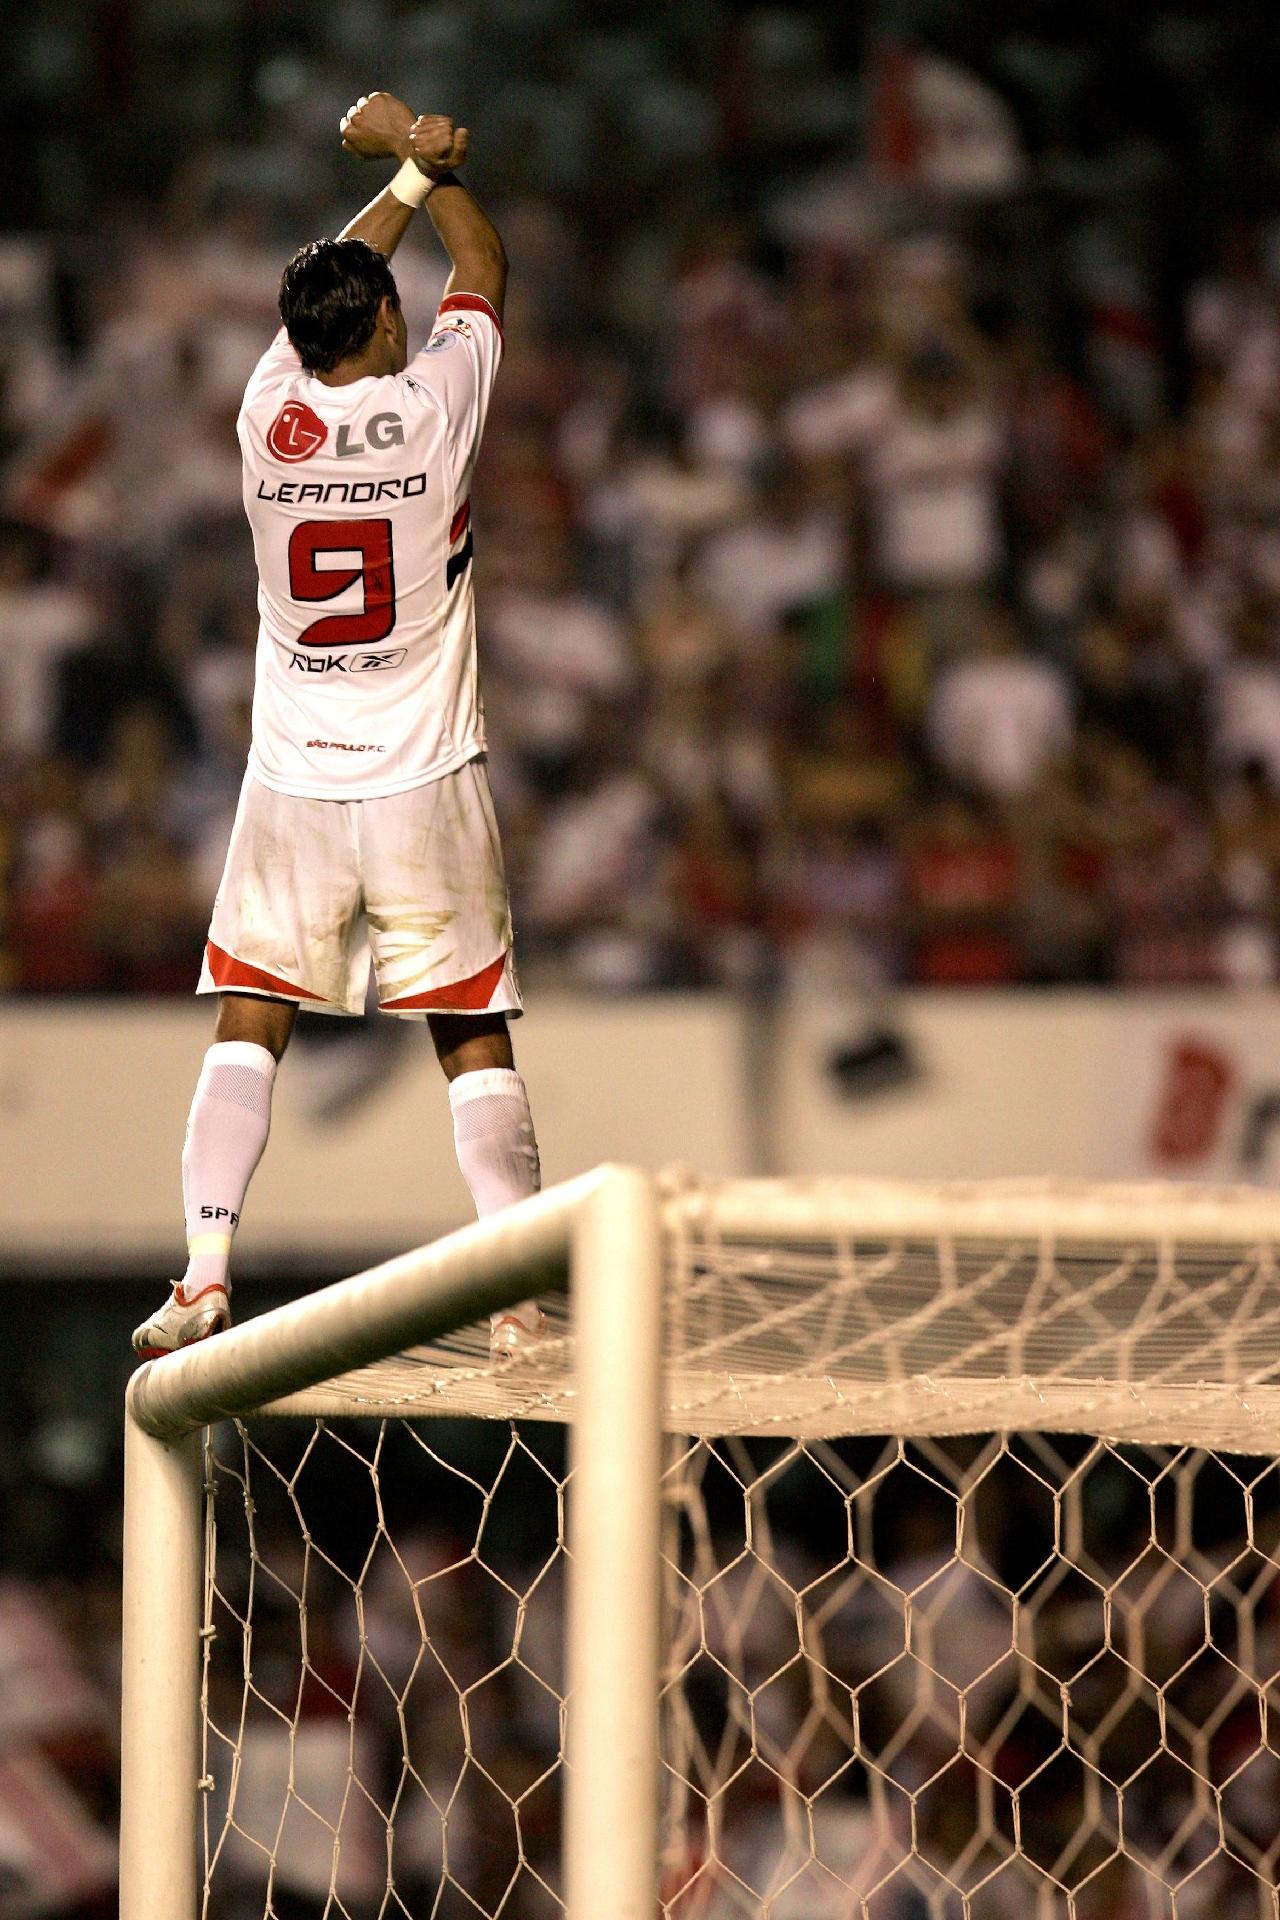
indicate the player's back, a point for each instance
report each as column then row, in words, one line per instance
column 358, row 498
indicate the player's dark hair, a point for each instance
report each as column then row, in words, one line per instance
column 330, row 293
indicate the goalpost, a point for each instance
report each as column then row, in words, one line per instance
column 604, row 1226
column 958, row 1506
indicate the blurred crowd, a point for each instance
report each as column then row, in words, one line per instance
column 876, row 557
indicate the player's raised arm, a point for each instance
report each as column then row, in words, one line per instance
column 377, row 127
column 467, row 234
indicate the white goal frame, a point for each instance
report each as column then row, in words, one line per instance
column 607, row 1237
column 597, row 1235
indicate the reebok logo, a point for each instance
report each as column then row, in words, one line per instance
column 376, row 662
column 323, row 663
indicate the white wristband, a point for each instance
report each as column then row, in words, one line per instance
column 411, row 185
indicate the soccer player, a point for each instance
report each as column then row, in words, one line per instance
column 365, row 809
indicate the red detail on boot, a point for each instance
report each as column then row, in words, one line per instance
column 191, row 1299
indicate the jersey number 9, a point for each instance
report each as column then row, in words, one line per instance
column 371, row 540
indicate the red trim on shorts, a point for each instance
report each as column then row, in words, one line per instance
column 460, row 520
column 464, row 996
column 472, row 303
column 227, row 971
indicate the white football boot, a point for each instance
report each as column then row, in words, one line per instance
column 516, row 1330
column 182, row 1320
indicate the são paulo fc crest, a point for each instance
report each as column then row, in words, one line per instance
column 447, row 335
column 296, row 432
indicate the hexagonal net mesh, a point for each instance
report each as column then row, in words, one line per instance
column 923, row 1654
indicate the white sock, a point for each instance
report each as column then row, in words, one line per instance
column 497, row 1152
column 226, row 1132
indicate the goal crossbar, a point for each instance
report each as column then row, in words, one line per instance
column 787, row 1211
column 414, row 1297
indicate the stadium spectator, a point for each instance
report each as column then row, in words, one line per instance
column 1001, row 720
column 962, row 891
column 1245, row 694
column 43, row 618
column 934, row 471
column 52, row 892
column 786, row 552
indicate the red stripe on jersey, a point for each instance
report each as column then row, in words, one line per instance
column 227, row 971
column 471, row 303
column 464, row 996
column 460, row 520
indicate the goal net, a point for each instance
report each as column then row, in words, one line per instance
column 961, row 1505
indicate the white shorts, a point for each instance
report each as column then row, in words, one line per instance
column 312, row 887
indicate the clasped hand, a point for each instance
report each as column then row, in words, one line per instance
column 379, row 127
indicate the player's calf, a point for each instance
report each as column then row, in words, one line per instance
column 496, row 1147
column 226, row 1132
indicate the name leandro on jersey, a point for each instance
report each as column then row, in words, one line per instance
column 354, row 493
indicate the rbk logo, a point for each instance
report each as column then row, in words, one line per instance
column 296, row 432
column 346, row 663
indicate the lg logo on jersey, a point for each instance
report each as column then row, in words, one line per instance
column 297, row 432
column 383, row 429
column 351, row 663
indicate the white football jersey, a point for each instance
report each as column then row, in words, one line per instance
column 359, row 501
